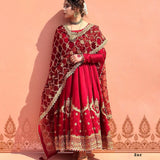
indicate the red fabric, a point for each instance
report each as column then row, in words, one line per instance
column 83, row 84
column 78, row 119
column 95, row 58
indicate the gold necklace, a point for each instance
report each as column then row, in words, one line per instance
column 75, row 23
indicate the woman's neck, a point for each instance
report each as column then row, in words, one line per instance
column 75, row 20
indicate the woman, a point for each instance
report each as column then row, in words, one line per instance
column 75, row 107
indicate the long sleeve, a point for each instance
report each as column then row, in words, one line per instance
column 95, row 58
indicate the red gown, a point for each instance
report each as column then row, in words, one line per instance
column 75, row 120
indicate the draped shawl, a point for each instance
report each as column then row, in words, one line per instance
column 88, row 41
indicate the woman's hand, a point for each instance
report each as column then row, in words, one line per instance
column 76, row 58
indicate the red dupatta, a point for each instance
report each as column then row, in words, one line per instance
column 88, row 41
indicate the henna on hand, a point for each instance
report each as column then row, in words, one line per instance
column 76, row 58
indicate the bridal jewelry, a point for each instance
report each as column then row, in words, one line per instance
column 73, row 35
column 75, row 14
column 76, row 22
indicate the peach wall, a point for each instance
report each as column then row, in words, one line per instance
column 27, row 30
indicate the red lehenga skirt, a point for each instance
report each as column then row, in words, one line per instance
column 75, row 119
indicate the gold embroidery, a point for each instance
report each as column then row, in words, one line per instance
column 68, row 102
column 78, row 110
column 107, row 141
column 56, row 112
column 75, row 108
column 89, row 106
column 68, row 107
column 82, row 41
column 62, row 109
column 94, row 106
column 68, row 74
column 108, row 116
column 59, row 90
column 74, row 35
column 81, row 143
column 99, row 47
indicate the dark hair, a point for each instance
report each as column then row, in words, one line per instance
column 79, row 4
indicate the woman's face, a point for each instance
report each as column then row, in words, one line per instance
column 68, row 12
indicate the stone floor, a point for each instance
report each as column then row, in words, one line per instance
column 98, row 156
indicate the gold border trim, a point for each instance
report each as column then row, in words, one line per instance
column 70, row 33
column 97, row 141
column 77, row 143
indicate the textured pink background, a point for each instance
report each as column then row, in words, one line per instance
column 133, row 57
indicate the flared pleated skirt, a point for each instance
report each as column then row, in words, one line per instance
column 76, row 120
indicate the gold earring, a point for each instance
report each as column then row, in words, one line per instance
column 75, row 14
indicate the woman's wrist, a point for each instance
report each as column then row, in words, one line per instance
column 82, row 58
